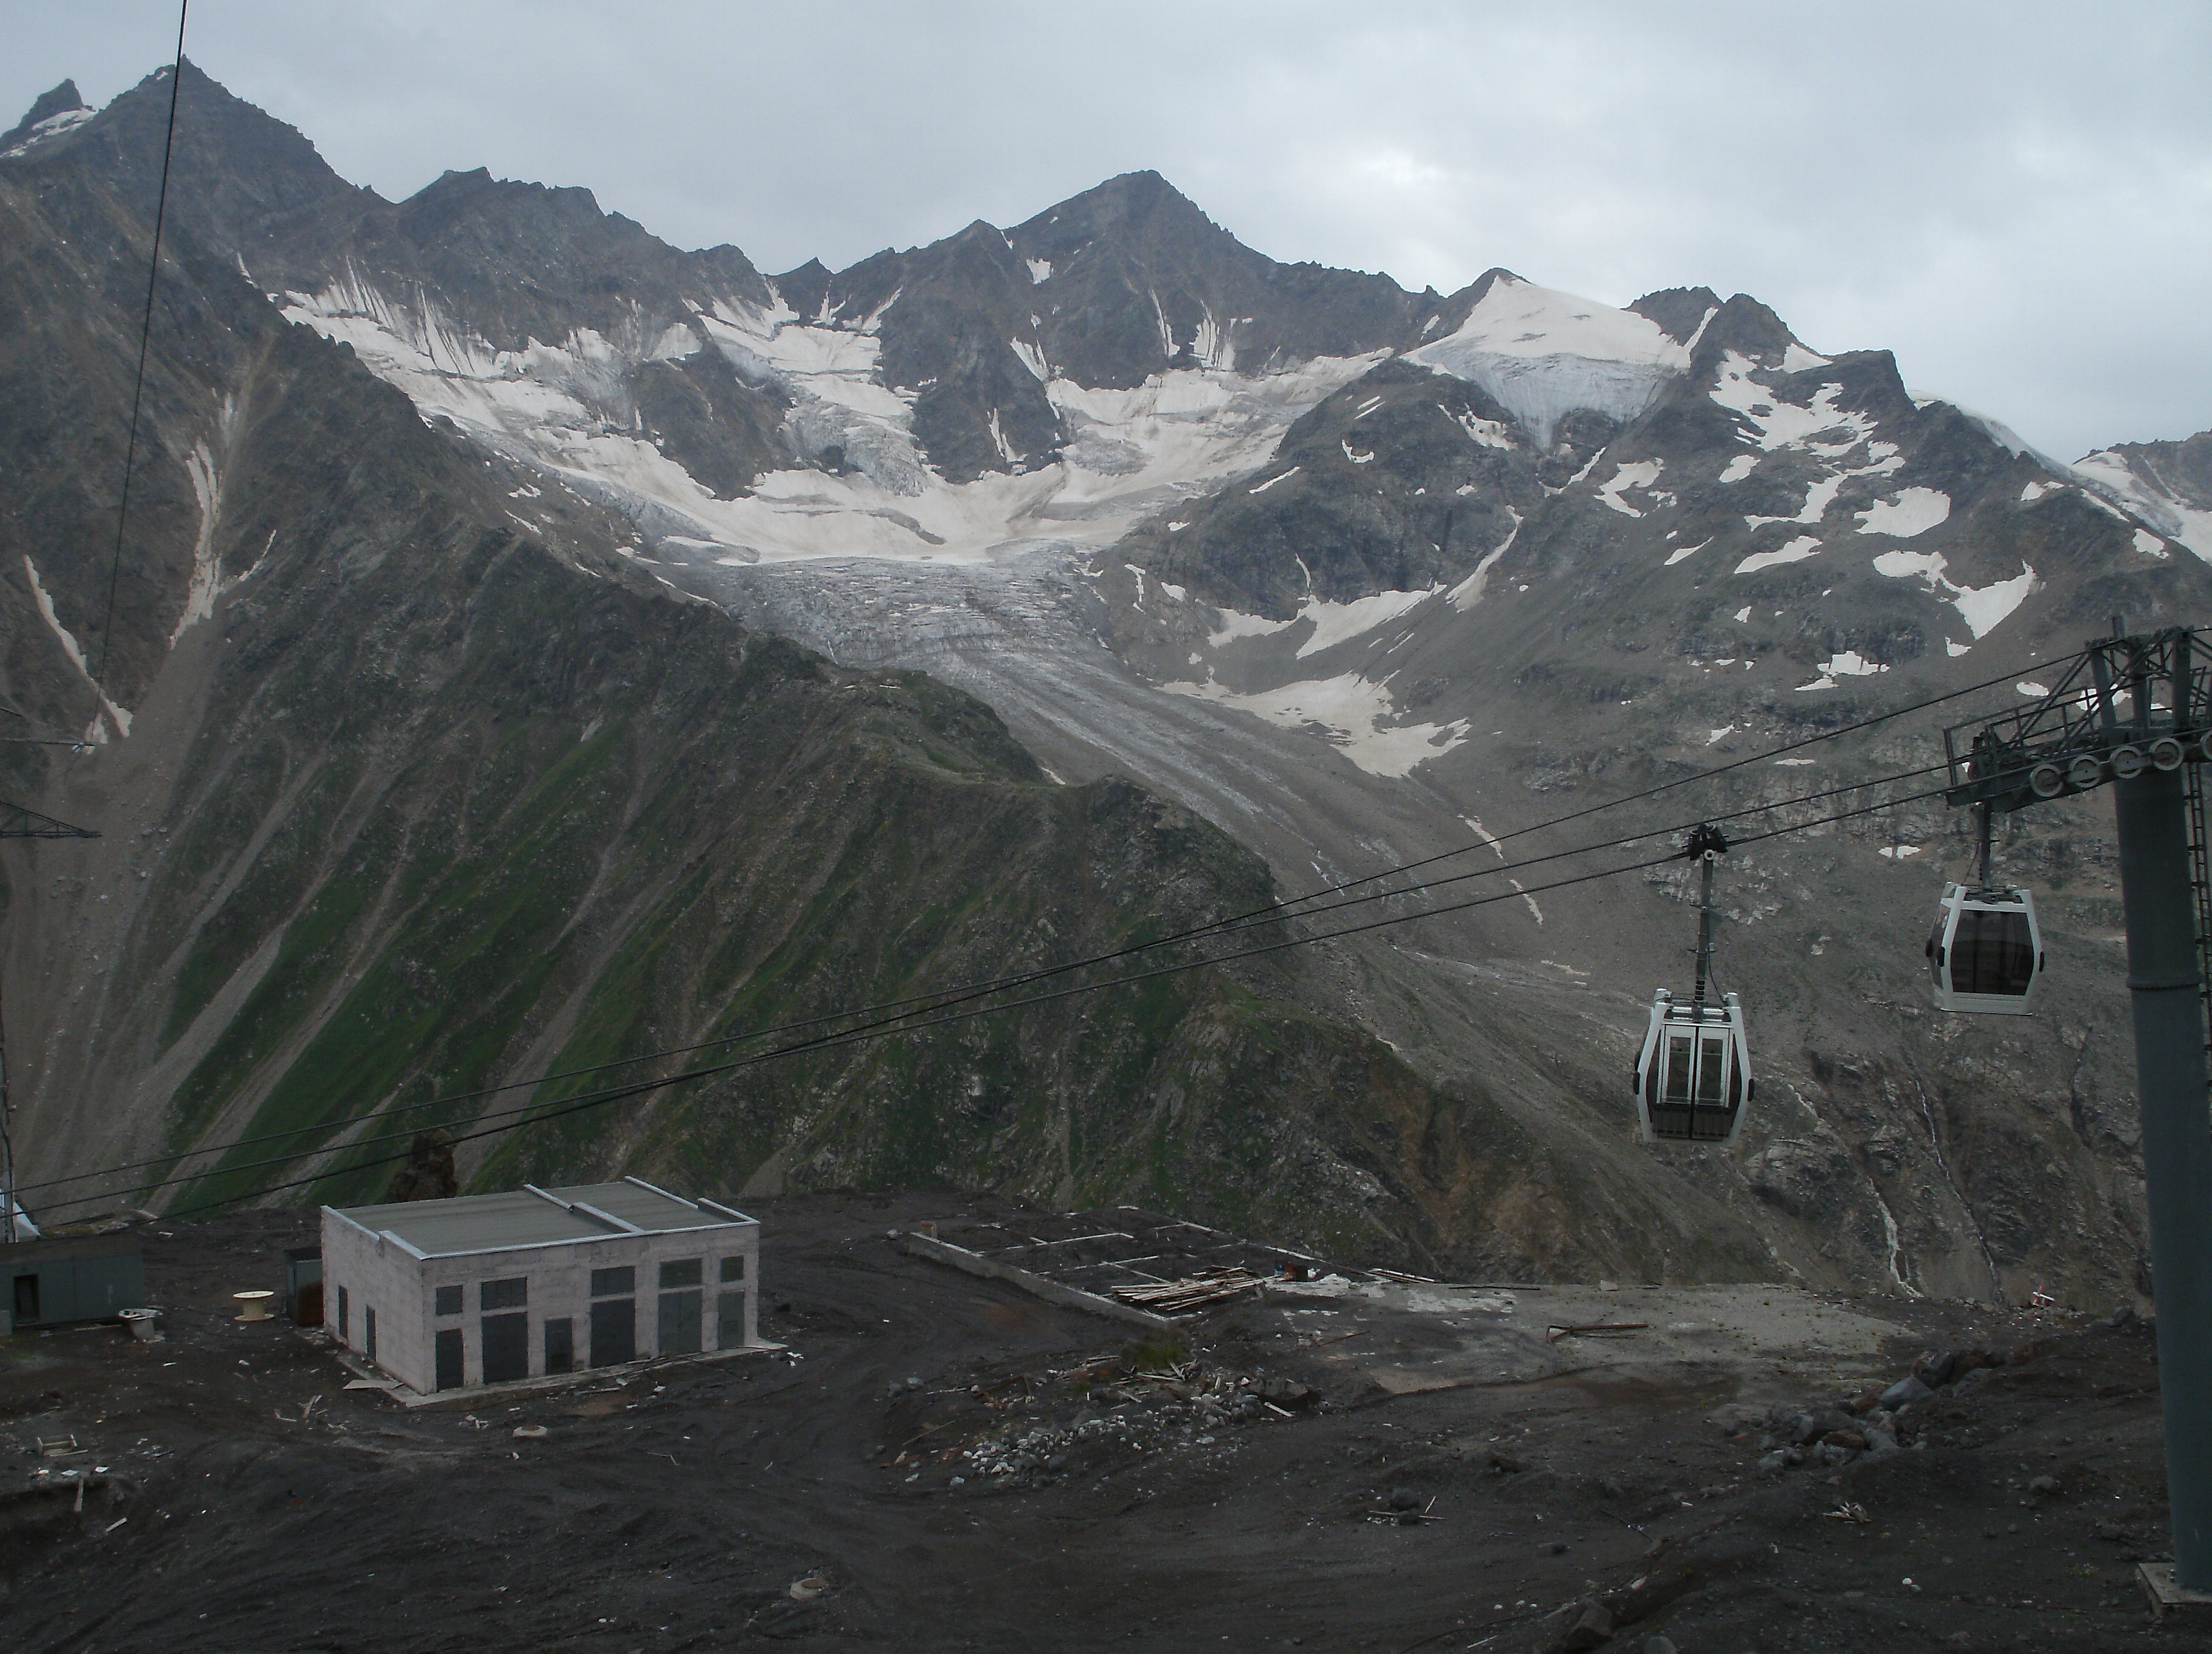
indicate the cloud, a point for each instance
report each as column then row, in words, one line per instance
column 2017, row 201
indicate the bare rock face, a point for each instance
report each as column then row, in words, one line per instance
column 52, row 113
column 455, row 709
column 412, row 784
column 428, row 1173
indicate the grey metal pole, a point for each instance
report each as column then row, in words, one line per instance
column 1704, row 927
column 2177, row 1143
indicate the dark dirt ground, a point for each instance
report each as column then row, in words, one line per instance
column 679, row 1509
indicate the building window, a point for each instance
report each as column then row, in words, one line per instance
column 369, row 1331
column 734, row 1269
column 505, row 1294
column 681, row 1272
column 345, row 1318
column 613, row 1283
column 449, row 1300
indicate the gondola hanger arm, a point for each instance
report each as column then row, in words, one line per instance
column 1705, row 837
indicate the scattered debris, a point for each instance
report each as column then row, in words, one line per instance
column 1596, row 1329
column 1192, row 1292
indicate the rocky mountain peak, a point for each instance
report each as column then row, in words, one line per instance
column 47, row 112
column 1679, row 311
column 1746, row 327
column 804, row 288
column 1133, row 207
column 240, row 180
column 508, row 206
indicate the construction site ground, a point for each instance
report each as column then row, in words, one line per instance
column 939, row 1462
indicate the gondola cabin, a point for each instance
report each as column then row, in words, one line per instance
column 1693, row 1076
column 1986, row 953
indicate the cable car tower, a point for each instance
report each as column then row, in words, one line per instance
column 16, row 822
column 2137, row 712
column 1693, row 1077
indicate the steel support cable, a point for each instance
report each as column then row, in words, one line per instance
column 1769, row 754
column 643, row 1087
column 145, row 338
column 940, row 998
column 944, row 999
column 895, row 1027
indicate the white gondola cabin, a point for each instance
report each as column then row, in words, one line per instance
column 1693, row 1080
column 1693, row 1076
column 1986, row 953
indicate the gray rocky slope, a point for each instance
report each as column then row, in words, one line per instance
column 1360, row 575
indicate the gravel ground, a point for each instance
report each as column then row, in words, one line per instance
column 942, row 1463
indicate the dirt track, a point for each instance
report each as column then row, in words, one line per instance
column 679, row 1510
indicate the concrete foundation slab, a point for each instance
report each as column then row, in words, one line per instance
column 2171, row 1604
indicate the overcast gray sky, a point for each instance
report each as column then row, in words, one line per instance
column 2016, row 198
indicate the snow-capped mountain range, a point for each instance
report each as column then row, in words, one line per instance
column 1360, row 575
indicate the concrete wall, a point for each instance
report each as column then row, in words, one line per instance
column 381, row 1271
column 86, row 1277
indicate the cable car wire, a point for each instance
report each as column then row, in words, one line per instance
column 940, row 998
column 944, row 999
column 145, row 339
column 891, row 1027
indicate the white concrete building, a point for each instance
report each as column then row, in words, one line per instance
column 489, row 1288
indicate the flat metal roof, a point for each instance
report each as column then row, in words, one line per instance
column 536, row 1216
column 654, row 1210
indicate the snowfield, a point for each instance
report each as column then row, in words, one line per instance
column 1543, row 354
column 563, row 407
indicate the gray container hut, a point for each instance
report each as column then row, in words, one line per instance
column 61, row 1278
column 487, row 1289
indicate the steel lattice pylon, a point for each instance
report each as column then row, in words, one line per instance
column 16, row 822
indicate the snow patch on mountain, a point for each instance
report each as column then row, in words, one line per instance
column 1349, row 712
column 1845, row 663
column 1798, row 550
column 2109, row 473
column 565, row 409
column 52, row 127
column 1818, row 496
column 1486, row 432
column 1640, row 475
column 1818, row 425
column 1982, row 608
column 207, row 575
column 1468, row 593
column 96, row 734
column 1911, row 511
column 1543, row 354
column 1339, row 623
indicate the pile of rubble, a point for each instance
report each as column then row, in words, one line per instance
column 1874, row 1421
column 1148, row 1411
